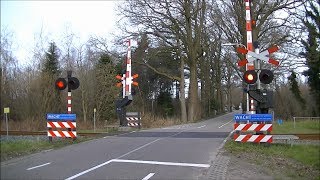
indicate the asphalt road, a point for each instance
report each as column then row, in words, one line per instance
column 177, row 152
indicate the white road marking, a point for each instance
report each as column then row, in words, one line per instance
column 162, row 163
column 48, row 150
column 225, row 124
column 88, row 170
column 139, row 148
column 202, row 126
column 38, row 166
column 148, row 176
column 105, row 163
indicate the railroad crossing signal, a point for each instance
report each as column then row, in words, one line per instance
column 264, row 56
column 120, row 80
column 72, row 83
column 251, row 76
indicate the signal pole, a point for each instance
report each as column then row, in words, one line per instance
column 249, row 65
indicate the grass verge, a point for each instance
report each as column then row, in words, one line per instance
column 306, row 126
column 281, row 160
column 12, row 149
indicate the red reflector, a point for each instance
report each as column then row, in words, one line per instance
column 135, row 83
column 273, row 49
column 242, row 62
column 119, row 77
column 242, row 50
column 135, row 76
column 274, row 62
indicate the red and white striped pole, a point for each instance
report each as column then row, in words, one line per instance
column 128, row 77
column 249, row 65
column 69, row 110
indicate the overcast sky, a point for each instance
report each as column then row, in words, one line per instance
column 84, row 18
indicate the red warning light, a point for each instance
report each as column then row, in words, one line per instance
column 61, row 83
column 250, row 76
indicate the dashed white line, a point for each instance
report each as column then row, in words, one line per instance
column 225, row 124
column 38, row 166
column 202, row 126
column 148, row 176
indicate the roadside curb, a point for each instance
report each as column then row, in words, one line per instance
column 219, row 164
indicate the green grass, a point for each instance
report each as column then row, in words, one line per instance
column 11, row 149
column 306, row 154
column 307, row 127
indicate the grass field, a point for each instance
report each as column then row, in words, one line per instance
column 301, row 126
column 282, row 160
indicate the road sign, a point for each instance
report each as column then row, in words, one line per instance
column 253, row 117
column 61, row 117
column 6, row 110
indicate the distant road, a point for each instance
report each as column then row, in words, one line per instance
column 177, row 152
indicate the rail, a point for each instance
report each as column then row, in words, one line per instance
column 35, row 133
column 44, row 133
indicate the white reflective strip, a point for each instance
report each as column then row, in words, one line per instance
column 56, row 124
column 249, row 37
column 48, row 125
column 247, row 3
column 69, row 93
column 266, row 138
column 69, row 101
column 252, row 138
column 266, row 127
column 253, row 127
column 56, row 133
column 69, row 109
column 66, row 124
column 240, row 138
column 248, row 18
column 240, row 127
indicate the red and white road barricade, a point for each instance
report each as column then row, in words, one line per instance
column 61, row 125
column 258, row 137
column 262, row 138
column 133, row 119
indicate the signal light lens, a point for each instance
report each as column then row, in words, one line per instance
column 250, row 76
column 61, row 83
column 73, row 83
column 266, row 76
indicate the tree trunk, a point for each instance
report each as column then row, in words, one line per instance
column 182, row 94
column 84, row 109
column 193, row 94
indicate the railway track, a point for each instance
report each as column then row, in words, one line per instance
column 44, row 133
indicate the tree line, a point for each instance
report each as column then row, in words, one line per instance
column 184, row 69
